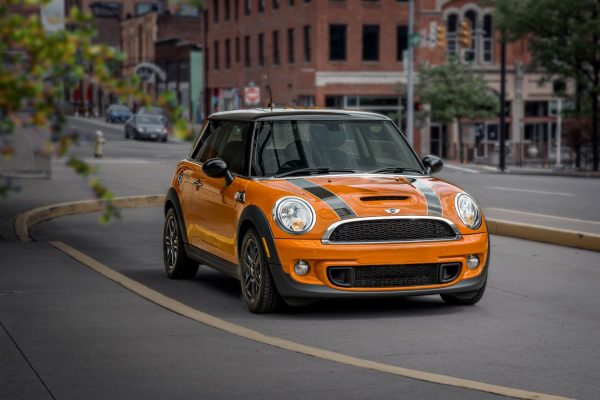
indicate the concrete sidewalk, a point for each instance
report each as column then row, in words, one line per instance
column 549, row 221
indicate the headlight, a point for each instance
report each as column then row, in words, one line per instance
column 294, row 215
column 467, row 210
column 142, row 129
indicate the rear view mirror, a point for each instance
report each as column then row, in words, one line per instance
column 432, row 164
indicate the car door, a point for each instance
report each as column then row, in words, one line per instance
column 216, row 211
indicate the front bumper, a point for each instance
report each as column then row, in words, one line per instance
column 317, row 285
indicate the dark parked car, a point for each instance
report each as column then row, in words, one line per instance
column 142, row 126
column 117, row 113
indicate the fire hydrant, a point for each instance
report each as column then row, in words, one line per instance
column 98, row 153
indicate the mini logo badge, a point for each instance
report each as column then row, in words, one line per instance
column 392, row 210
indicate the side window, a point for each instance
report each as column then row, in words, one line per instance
column 207, row 148
column 231, row 145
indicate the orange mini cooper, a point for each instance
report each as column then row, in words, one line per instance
column 312, row 204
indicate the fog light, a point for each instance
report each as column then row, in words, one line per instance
column 472, row 262
column 301, row 267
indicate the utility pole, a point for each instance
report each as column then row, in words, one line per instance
column 558, row 131
column 502, row 165
column 409, row 75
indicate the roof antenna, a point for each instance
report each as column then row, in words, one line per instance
column 269, row 84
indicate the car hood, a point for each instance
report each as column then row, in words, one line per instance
column 374, row 195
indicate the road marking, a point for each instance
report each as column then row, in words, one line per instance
column 452, row 166
column 530, row 191
column 208, row 319
column 544, row 215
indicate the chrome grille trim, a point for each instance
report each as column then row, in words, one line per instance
column 332, row 227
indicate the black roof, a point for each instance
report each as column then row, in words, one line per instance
column 296, row 114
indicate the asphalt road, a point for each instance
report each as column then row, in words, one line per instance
column 86, row 337
column 536, row 328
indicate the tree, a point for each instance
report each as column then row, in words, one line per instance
column 564, row 42
column 36, row 68
column 454, row 92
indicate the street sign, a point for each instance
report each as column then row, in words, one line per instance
column 252, row 95
column 148, row 72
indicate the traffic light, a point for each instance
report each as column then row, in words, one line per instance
column 440, row 37
column 465, row 36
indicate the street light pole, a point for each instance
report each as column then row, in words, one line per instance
column 502, row 157
column 558, row 131
column 409, row 74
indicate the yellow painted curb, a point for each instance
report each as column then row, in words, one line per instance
column 27, row 219
column 561, row 237
column 247, row 333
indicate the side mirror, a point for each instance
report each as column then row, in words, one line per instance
column 217, row 168
column 432, row 164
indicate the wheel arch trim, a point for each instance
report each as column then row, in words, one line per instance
column 252, row 216
column 172, row 200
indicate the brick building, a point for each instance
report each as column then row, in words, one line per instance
column 334, row 53
column 350, row 53
column 531, row 105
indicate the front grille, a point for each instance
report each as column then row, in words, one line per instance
column 381, row 276
column 392, row 230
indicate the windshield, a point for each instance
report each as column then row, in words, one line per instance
column 148, row 120
column 282, row 147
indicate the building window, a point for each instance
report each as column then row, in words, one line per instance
column 452, row 34
column 227, row 53
column 276, row 47
column 291, row 3
column 215, row 11
column 247, row 7
column 337, row 42
column 216, row 54
column 247, row 51
column 236, row 6
column 488, row 40
column 275, row 4
column 261, row 6
column 290, row 45
column 237, row 49
column 469, row 53
column 306, row 101
column 401, row 41
column 145, row 8
column 536, row 109
column 370, row 42
column 261, row 49
column 307, row 48
column 226, row 10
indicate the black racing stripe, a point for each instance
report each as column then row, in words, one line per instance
column 434, row 205
column 338, row 205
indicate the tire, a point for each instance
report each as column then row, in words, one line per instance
column 126, row 133
column 259, row 293
column 464, row 298
column 177, row 264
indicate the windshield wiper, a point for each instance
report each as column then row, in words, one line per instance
column 398, row 170
column 319, row 170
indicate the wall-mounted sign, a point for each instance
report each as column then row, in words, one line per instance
column 252, row 95
column 148, row 72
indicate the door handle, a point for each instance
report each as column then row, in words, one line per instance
column 197, row 183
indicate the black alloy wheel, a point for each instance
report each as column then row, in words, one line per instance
column 177, row 264
column 259, row 293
